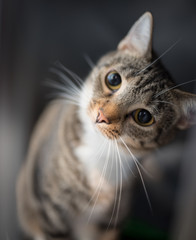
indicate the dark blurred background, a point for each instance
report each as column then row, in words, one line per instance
column 34, row 34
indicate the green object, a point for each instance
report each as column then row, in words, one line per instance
column 139, row 230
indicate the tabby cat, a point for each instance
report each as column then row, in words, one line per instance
column 76, row 182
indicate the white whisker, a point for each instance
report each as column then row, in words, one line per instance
column 75, row 83
column 156, row 110
column 89, row 61
column 165, row 102
column 140, row 165
column 63, row 93
column 166, row 90
column 59, row 96
column 51, row 83
column 66, row 80
column 62, row 88
column 116, row 189
column 172, row 46
column 101, row 182
column 100, row 152
column 120, row 183
column 140, row 174
column 72, row 74
column 128, row 165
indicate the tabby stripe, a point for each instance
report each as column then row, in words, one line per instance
column 48, row 224
column 145, row 75
column 132, row 73
column 156, row 139
column 146, row 81
column 152, row 88
column 140, row 80
column 35, row 183
column 56, row 208
column 58, row 234
column 154, row 78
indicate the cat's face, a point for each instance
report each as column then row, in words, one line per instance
column 132, row 102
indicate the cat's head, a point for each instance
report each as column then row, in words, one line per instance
column 131, row 99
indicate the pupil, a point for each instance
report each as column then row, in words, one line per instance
column 144, row 116
column 114, row 79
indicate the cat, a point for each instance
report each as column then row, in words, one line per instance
column 77, row 180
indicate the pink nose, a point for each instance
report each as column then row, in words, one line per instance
column 101, row 118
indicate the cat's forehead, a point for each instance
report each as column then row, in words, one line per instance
column 146, row 74
column 125, row 62
column 130, row 66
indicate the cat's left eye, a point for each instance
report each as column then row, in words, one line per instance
column 113, row 80
column 143, row 117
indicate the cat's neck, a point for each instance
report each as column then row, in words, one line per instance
column 99, row 154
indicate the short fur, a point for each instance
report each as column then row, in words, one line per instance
column 76, row 182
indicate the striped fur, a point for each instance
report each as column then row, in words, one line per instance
column 76, row 182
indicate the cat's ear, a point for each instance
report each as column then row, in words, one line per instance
column 187, row 104
column 139, row 38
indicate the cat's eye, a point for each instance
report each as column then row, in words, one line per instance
column 143, row 117
column 113, row 80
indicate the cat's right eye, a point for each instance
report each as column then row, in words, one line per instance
column 113, row 80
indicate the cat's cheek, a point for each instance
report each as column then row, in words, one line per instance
column 92, row 113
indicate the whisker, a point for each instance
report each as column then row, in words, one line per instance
column 75, row 77
column 53, row 84
column 170, row 48
column 63, row 92
column 140, row 165
column 80, row 83
column 53, row 96
column 116, row 189
column 111, row 157
column 166, row 90
column 120, row 193
column 100, row 184
column 49, row 82
column 89, row 61
column 128, row 165
column 72, row 74
column 122, row 167
column 63, row 95
column 101, row 151
column 157, row 111
column 165, row 102
column 66, row 80
column 140, row 174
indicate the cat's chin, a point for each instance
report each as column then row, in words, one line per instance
column 124, row 144
column 107, row 132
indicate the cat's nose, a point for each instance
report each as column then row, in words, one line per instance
column 101, row 118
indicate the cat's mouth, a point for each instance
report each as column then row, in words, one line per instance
column 108, row 132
